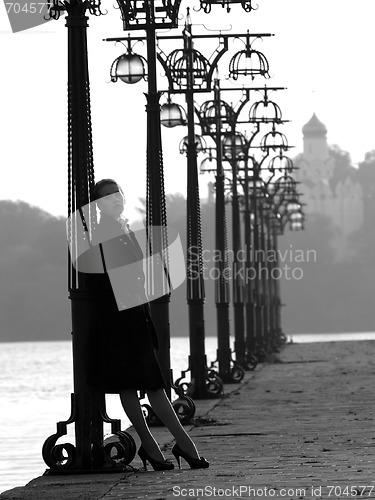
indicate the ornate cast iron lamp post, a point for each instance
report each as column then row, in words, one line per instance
column 235, row 151
column 271, row 142
column 91, row 452
column 272, row 222
column 189, row 72
column 262, row 112
column 215, row 118
column 130, row 68
column 218, row 119
column 150, row 16
column 253, row 186
column 196, row 77
column 264, row 307
column 284, row 207
column 186, row 69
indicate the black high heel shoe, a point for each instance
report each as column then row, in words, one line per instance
column 155, row 464
column 195, row 463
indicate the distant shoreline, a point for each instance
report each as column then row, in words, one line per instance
column 369, row 335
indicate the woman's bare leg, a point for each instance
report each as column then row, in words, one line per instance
column 164, row 410
column 133, row 410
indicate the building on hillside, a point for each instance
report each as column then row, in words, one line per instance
column 329, row 185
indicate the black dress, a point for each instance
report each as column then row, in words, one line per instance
column 122, row 342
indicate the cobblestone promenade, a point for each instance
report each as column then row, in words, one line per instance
column 301, row 427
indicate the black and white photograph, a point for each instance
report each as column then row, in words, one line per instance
column 187, row 236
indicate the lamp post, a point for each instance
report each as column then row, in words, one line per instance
column 245, row 181
column 235, row 149
column 263, row 111
column 272, row 142
column 284, row 208
column 189, row 72
column 91, row 453
column 238, row 283
column 279, row 164
column 180, row 66
column 296, row 224
column 234, row 152
column 222, row 294
column 150, row 16
column 257, row 325
column 213, row 116
column 255, row 188
column 219, row 120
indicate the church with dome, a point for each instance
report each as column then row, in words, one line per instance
column 328, row 185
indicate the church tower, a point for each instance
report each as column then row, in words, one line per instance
column 315, row 167
column 315, row 140
column 327, row 188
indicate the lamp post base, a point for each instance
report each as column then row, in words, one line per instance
column 93, row 452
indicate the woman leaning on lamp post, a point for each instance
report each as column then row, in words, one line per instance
column 122, row 353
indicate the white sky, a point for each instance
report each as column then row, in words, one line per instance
column 321, row 52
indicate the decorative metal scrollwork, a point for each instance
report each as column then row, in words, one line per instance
column 200, row 144
column 182, row 386
column 185, row 408
column 237, row 372
column 248, row 62
column 184, row 405
column 57, row 7
column 53, row 454
column 235, row 146
column 151, row 418
column 178, row 65
column 214, row 384
column 212, row 112
column 274, row 140
column 206, row 5
column 283, row 190
column 281, row 163
column 265, row 111
column 119, row 448
column 251, row 362
column 136, row 14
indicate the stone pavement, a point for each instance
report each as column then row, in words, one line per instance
column 301, row 427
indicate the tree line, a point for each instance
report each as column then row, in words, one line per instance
column 331, row 296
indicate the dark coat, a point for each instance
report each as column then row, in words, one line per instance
column 122, row 341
